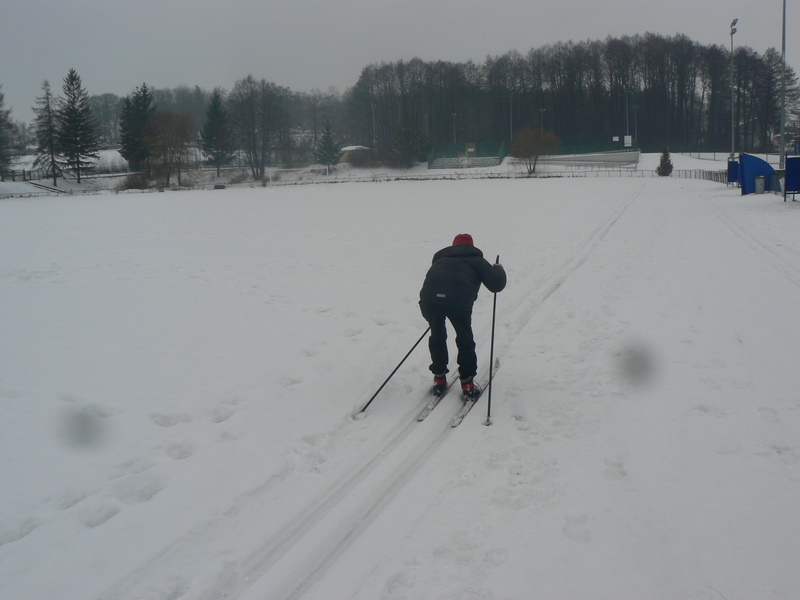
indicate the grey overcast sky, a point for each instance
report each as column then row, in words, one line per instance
column 116, row 45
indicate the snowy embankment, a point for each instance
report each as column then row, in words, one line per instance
column 179, row 372
column 345, row 173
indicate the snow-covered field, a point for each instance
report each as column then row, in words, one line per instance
column 179, row 374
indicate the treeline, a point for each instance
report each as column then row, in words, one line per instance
column 663, row 91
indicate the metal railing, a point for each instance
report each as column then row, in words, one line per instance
column 456, row 175
column 462, row 174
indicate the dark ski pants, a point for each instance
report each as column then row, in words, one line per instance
column 461, row 320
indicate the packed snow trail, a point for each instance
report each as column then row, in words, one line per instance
column 327, row 532
column 294, row 557
column 403, row 572
column 782, row 257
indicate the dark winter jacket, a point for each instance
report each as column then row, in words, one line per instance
column 456, row 276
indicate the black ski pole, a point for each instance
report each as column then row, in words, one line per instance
column 491, row 357
column 378, row 391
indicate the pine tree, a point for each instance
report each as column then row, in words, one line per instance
column 404, row 145
column 46, row 142
column 664, row 168
column 76, row 130
column 410, row 145
column 327, row 152
column 217, row 134
column 136, row 111
column 5, row 135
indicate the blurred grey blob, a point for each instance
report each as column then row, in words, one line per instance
column 637, row 363
column 82, row 427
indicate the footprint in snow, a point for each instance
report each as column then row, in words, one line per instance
column 711, row 411
column 614, row 470
column 399, row 585
column 136, row 489
column 495, row 557
column 97, row 515
column 169, row 420
column 787, row 454
column 288, row 381
column 222, row 414
column 769, row 414
column 16, row 531
column 180, row 450
column 521, row 423
column 575, row 529
column 225, row 411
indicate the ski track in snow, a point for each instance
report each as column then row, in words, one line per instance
column 775, row 256
column 397, row 461
column 576, row 526
column 294, row 558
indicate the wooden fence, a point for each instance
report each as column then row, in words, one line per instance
column 23, row 175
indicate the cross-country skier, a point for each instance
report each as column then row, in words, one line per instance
column 450, row 289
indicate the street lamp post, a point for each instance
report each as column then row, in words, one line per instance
column 454, row 128
column 783, row 92
column 510, row 119
column 541, row 122
column 627, row 119
column 733, row 93
column 374, row 130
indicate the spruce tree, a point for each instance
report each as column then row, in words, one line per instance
column 327, row 152
column 46, row 142
column 5, row 135
column 664, row 168
column 217, row 134
column 136, row 111
column 410, row 145
column 76, row 131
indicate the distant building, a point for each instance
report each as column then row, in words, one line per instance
column 356, row 155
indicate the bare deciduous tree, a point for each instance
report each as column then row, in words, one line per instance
column 531, row 144
column 106, row 109
column 169, row 138
column 260, row 119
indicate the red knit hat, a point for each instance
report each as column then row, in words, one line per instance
column 463, row 238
